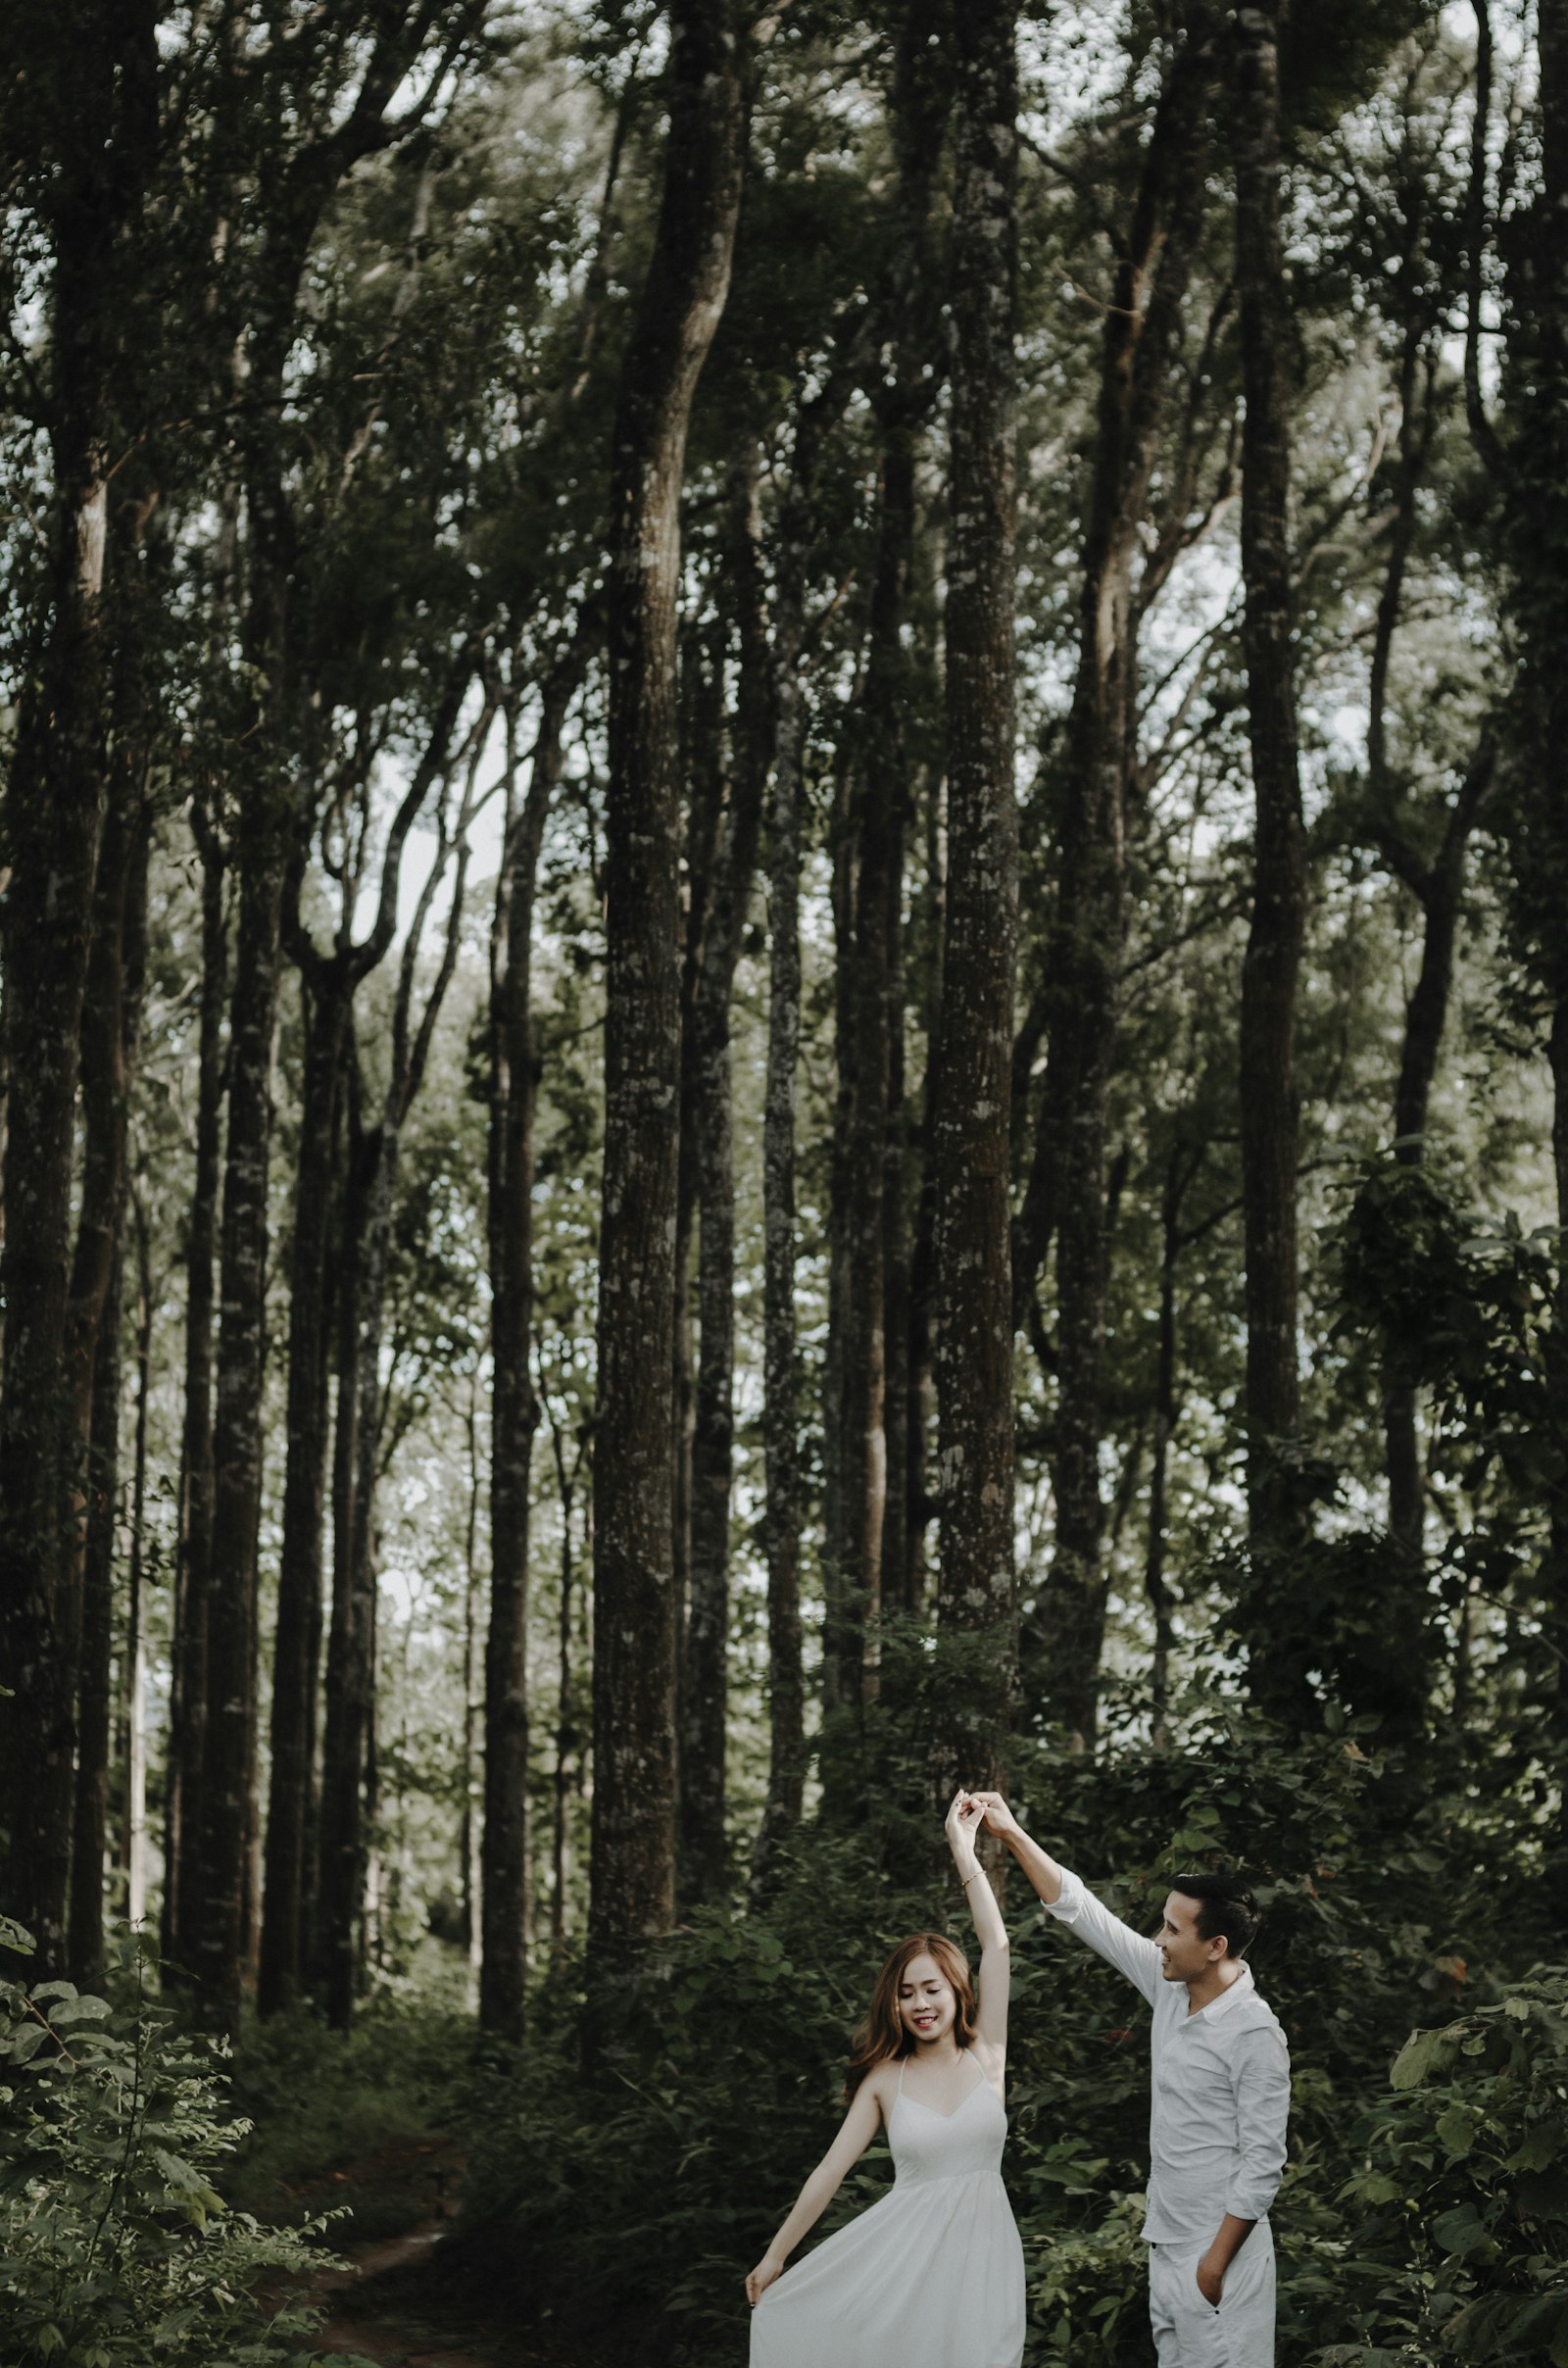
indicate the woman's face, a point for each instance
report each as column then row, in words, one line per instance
column 928, row 2007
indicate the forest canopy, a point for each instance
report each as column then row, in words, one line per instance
column 785, row 1020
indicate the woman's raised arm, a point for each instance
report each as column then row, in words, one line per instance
column 963, row 1823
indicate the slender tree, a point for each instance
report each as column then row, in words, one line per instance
column 703, row 1735
column 330, row 983
column 187, row 1716
column 1140, row 351
column 112, row 1035
column 515, row 1405
column 976, row 1602
column 1537, row 382
column 81, row 122
column 349, row 1753
column 636, row 1612
column 1270, row 1113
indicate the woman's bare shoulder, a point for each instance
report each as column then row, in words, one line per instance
column 881, row 2083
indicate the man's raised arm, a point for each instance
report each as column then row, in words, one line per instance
column 1068, row 1901
column 1040, row 1867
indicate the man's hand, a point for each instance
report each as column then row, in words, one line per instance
column 998, row 1818
column 1233, row 2235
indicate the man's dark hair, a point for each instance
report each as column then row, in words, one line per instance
column 1225, row 1905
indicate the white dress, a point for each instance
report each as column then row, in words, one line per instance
column 930, row 2276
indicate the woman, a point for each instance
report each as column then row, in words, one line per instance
column 931, row 2277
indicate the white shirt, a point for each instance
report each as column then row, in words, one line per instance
column 1220, row 2089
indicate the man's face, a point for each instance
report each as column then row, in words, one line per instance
column 1186, row 1953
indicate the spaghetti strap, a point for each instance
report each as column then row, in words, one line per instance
column 903, row 2060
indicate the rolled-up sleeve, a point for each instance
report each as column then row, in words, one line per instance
column 1262, row 2111
column 1131, row 1952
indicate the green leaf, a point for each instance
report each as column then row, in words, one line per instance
column 1456, row 2132
column 1423, row 2054
column 1460, row 2232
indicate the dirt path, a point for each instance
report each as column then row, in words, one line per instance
column 401, row 2304
column 392, row 2316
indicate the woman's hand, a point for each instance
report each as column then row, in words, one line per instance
column 761, row 2278
column 963, row 1824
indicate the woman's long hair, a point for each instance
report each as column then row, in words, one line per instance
column 882, row 2037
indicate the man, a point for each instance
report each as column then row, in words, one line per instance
column 1221, row 2096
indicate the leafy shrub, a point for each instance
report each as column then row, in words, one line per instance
column 1458, row 2242
column 341, row 2111
column 116, row 2247
column 635, row 2193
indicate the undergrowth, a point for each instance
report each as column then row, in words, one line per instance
column 347, row 2118
column 640, row 2152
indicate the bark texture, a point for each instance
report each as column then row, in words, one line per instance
column 1066, row 1191
column 704, row 1672
column 91, row 146
column 636, row 1612
column 1270, row 1113
column 187, row 1729
column 347, row 1755
column 868, row 1444
column 222, row 1935
column 781, row 1525
column 515, row 1405
column 110, row 1042
column 329, row 982
column 976, row 1602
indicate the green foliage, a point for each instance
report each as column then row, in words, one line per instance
column 1458, row 2203
column 117, row 2248
column 339, row 2115
column 712, row 2084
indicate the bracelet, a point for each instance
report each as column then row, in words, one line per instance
column 974, row 1878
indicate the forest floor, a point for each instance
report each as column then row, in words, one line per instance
column 375, row 2127
column 404, row 2302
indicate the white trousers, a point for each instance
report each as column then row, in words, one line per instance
column 1189, row 2332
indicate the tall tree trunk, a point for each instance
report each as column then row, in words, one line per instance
column 327, row 991
column 1140, row 345
column 95, row 163
column 222, row 1928
column 871, row 873
column 112, row 1026
column 468, row 1833
column 704, row 1695
column 1440, row 888
column 348, row 1641
column 1270, row 1116
column 134, row 1755
column 781, row 1520
column 567, row 1740
column 976, row 1604
column 349, row 1761
column 1157, row 1587
column 704, row 767
column 187, row 1731
column 1537, row 827
column 515, row 1406
column 636, row 1617
column 330, row 983
column 95, row 1694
